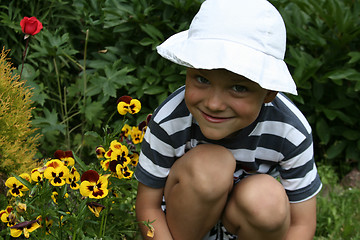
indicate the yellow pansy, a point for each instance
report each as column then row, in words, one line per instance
column 56, row 172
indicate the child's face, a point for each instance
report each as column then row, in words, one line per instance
column 223, row 102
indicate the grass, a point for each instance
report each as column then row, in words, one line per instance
column 338, row 212
column 338, row 215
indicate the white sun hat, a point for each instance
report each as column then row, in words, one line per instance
column 247, row 37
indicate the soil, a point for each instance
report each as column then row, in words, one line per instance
column 352, row 179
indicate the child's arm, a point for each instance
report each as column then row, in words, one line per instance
column 303, row 220
column 148, row 208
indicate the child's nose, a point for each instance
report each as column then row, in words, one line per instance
column 215, row 101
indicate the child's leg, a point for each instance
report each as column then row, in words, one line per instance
column 197, row 189
column 258, row 208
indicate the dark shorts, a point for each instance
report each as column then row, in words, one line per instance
column 219, row 232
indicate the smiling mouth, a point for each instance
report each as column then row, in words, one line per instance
column 214, row 119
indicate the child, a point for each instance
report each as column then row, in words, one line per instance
column 212, row 150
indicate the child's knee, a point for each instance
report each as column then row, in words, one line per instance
column 207, row 170
column 263, row 203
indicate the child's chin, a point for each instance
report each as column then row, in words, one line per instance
column 215, row 134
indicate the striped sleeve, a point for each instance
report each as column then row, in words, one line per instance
column 298, row 172
column 154, row 165
column 164, row 141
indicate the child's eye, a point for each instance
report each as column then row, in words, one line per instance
column 202, row 80
column 239, row 88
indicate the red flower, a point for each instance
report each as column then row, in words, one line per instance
column 142, row 126
column 30, row 26
column 90, row 175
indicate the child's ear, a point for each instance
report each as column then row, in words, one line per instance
column 270, row 96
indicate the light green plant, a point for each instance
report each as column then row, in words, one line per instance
column 17, row 140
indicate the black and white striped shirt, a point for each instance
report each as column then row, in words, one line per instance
column 279, row 142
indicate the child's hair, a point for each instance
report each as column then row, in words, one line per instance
column 247, row 37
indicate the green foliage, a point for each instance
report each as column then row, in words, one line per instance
column 17, row 140
column 324, row 58
column 90, row 53
column 328, row 175
column 338, row 214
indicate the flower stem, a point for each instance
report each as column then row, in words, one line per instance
column 59, row 88
column 84, row 90
column 106, row 215
column 104, row 218
column 24, row 55
column 101, row 225
column 111, row 116
column 84, row 66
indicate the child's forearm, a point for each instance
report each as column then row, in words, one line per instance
column 161, row 229
column 148, row 209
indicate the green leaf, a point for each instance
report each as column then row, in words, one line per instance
column 93, row 134
column 355, row 57
column 83, row 166
column 349, row 74
column 162, row 97
column 49, row 122
column 322, row 131
column 357, row 86
column 93, row 111
column 318, row 90
column 29, row 73
column 39, row 96
column 152, row 31
column 109, row 88
column 336, row 149
column 351, row 134
column 175, row 78
column 23, row 181
column 63, row 192
column 152, row 90
column 352, row 152
column 96, row 64
column 123, row 27
column 330, row 114
column 146, row 41
column 333, row 114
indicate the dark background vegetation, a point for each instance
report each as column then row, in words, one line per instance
column 91, row 52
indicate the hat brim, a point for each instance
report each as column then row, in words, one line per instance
column 269, row 72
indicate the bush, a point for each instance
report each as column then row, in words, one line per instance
column 324, row 58
column 17, row 140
